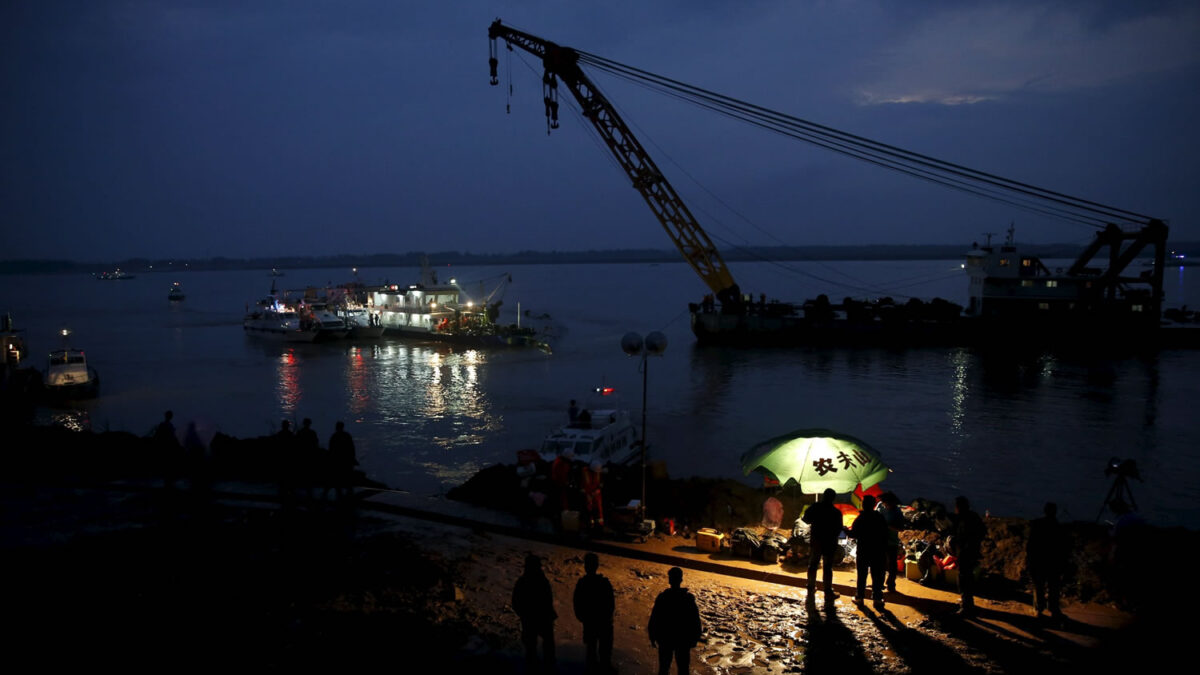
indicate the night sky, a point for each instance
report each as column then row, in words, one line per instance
column 175, row 128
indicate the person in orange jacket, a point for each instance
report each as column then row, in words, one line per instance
column 592, row 479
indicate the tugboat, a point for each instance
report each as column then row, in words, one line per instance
column 175, row 294
column 68, row 376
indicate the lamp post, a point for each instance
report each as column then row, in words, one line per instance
column 654, row 345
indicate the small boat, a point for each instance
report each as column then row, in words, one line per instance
column 68, row 376
column 175, row 294
column 363, row 325
column 603, row 433
column 276, row 273
column 272, row 319
column 115, row 275
column 316, row 315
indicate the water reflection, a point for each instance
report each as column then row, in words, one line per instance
column 287, row 385
column 423, row 395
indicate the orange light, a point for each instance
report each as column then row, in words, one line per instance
column 605, row 391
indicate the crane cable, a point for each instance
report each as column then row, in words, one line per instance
column 840, row 141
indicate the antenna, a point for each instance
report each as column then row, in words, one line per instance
column 989, row 236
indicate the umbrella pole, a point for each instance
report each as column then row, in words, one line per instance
column 645, row 375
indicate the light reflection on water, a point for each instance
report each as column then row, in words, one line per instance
column 1011, row 432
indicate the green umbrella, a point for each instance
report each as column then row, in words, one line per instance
column 817, row 459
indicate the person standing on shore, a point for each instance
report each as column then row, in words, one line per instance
column 594, row 608
column 283, row 447
column 870, row 530
column 825, row 524
column 969, row 533
column 1045, row 556
column 674, row 625
column 169, row 449
column 533, row 602
column 343, row 460
column 889, row 507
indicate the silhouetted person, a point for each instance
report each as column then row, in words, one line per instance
column 169, row 451
column 560, row 476
column 585, row 419
column 889, row 508
column 1130, row 545
column 343, row 459
column 195, row 452
column 969, row 533
column 594, row 608
column 308, row 452
column 593, row 482
column 674, row 625
column 870, row 530
column 825, row 524
column 533, row 602
column 283, row 448
column 1045, row 555
column 572, row 412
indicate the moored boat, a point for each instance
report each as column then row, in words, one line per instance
column 68, row 376
column 444, row 312
column 602, row 432
column 272, row 319
column 175, row 293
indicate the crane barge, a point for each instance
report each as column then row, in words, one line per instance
column 1014, row 298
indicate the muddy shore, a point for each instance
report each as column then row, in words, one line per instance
column 105, row 565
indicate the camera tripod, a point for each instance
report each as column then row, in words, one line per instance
column 1119, row 492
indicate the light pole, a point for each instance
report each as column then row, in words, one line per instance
column 654, row 344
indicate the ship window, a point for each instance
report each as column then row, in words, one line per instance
column 1026, row 262
column 1136, row 308
column 1051, row 284
column 1026, row 283
column 1043, row 305
column 1004, row 262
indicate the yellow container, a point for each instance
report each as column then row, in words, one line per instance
column 911, row 570
column 708, row 539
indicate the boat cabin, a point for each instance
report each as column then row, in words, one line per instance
column 66, row 367
column 610, row 437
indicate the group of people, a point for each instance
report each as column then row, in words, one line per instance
column 298, row 455
column 876, row 532
column 674, row 626
column 302, row 461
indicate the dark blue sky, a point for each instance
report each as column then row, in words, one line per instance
column 175, row 128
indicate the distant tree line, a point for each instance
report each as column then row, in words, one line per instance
column 463, row 258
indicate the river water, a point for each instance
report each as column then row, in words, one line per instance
column 1010, row 432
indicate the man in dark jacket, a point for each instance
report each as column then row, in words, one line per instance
column 594, row 608
column 1044, row 555
column 674, row 625
column 969, row 533
column 870, row 530
column 533, row 602
column 825, row 524
column 342, row 460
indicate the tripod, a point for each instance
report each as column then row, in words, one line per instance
column 1120, row 491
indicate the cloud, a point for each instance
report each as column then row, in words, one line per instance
column 986, row 52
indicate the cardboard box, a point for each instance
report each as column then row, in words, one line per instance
column 911, row 570
column 709, row 540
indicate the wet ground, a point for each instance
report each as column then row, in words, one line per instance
column 133, row 576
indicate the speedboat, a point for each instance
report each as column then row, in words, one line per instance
column 175, row 294
column 68, row 376
column 272, row 319
column 316, row 315
column 602, row 433
column 362, row 324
